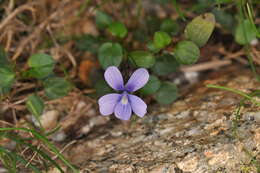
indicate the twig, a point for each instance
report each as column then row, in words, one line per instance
column 70, row 56
column 14, row 13
column 35, row 33
column 206, row 66
column 32, row 158
column 64, row 148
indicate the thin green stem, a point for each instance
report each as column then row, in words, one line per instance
column 47, row 143
column 177, row 8
column 243, row 94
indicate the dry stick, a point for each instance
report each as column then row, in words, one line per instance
column 14, row 116
column 64, row 148
column 11, row 4
column 33, row 156
column 38, row 30
column 70, row 56
column 14, row 13
column 35, row 33
column 256, row 56
column 206, row 66
column 9, row 39
column 236, row 55
column 7, row 123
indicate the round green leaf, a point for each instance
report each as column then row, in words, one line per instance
column 35, row 105
column 186, row 52
column 102, row 88
column 169, row 26
column 161, row 39
column 41, row 65
column 110, row 54
column 56, row 87
column 167, row 93
column 245, row 32
column 152, row 48
column 7, row 78
column 200, row 29
column 102, row 19
column 3, row 57
column 142, row 59
column 117, row 29
column 152, row 86
column 225, row 19
column 165, row 64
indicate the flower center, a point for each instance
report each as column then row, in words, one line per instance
column 124, row 99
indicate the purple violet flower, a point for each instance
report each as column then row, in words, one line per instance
column 123, row 104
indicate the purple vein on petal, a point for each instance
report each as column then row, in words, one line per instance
column 123, row 111
column 114, row 78
column 138, row 79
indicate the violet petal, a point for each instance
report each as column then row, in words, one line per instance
column 107, row 103
column 114, row 78
column 123, row 111
column 138, row 79
column 138, row 105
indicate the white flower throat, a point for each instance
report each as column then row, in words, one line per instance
column 124, row 99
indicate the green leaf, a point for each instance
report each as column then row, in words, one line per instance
column 110, row 54
column 102, row 88
column 42, row 153
column 151, row 24
column 7, row 78
column 161, row 39
column 202, row 6
column 35, row 105
column 17, row 159
column 152, row 48
column 161, row 1
column 152, row 86
column 224, row 18
column 88, row 43
column 3, row 57
column 140, row 35
column 41, row 65
column 223, row 1
column 245, row 32
column 142, row 59
column 47, row 144
column 167, row 93
column 165, row 65
column 200, row 29
column 117, row 29
column 186, row 52
column 170, row 26
column 56, row 87
column 102, row 19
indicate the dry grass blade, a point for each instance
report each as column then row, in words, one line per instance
column 38, row 30
column 14, row 13
column 206, row 66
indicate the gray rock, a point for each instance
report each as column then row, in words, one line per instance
column 195, row 135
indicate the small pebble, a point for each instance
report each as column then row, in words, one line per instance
column 59, row 136
column 48, row 119
column 3, row 170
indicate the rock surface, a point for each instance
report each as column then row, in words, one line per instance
column 194, row 135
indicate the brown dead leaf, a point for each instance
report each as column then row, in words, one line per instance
column 85, row 69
